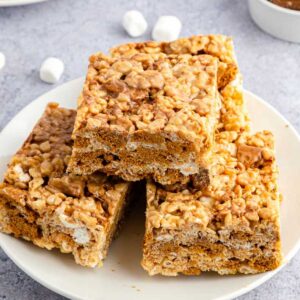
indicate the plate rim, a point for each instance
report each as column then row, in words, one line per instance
column 10, row 3
column 239, row 292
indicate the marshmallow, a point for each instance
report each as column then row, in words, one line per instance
column 2, row 60
column 134, row 23
column 51, row 70
column 167, row 28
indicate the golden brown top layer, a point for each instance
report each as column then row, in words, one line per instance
column 36, row 175
column 219, row 46
column 150, row 92
column 243, row 189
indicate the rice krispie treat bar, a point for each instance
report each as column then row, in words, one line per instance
column 231, row 226
column 219, row 46
column 147, row 115
column 40, row 203
column 233, row 114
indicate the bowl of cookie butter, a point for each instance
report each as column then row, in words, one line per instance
column 280, row 18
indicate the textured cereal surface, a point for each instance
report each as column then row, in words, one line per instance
column 220, row 46
column 40, row 203
column 149, row 92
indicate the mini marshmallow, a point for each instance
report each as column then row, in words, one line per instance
column 167, row 28
column 2, row 60
column 134, row 23
column 51, row 70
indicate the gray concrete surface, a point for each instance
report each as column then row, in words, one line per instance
column 72, row 29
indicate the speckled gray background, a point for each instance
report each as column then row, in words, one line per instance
column 72, row 29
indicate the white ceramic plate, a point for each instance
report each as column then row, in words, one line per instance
column 122, row 277
column 18, row 2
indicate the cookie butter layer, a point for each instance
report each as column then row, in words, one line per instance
column 40, row 203
column 231, row 226
column 147, row 115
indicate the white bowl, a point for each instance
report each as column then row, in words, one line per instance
column 280, row 22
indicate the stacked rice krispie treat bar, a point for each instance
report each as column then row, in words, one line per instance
column 233, row 224
column 150, row 115
column 40, row 203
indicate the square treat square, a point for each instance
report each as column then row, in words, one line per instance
column 232, row 226
column 40, row 203
column 233, row 115
column 147, row 115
